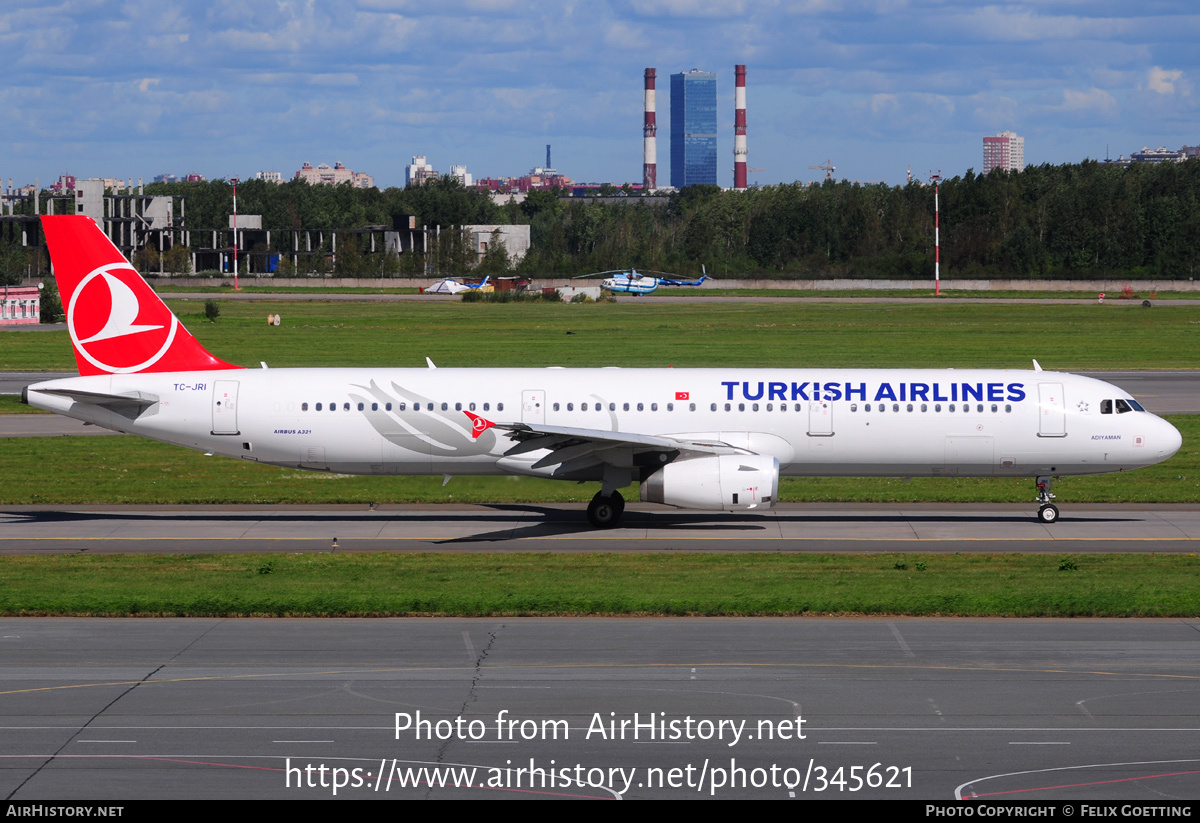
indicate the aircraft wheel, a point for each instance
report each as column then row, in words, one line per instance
column 1048, row 514
column 604, row 512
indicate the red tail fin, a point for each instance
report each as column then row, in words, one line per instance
column 118, row 324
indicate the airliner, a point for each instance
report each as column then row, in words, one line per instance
column 711, row 439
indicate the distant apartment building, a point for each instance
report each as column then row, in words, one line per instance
column 1004, row 151
column 269, row 176
column 65, row 184
column 1155, row 156
column 464, row 178
column 334, row 175
column 1159, row 155
column 419, row 171
column 175, row 178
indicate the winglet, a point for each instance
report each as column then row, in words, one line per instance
column 118, row 325
column 1037, row 366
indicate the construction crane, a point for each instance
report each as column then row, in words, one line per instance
column 829, row 169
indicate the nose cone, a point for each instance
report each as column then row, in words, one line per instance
column 1167, row 440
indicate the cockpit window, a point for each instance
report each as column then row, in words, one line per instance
column 1136, row 406
column 1123, row 406
column 1106, row 407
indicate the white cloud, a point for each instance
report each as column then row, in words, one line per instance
column 1163, row 81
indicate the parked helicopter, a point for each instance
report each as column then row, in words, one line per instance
column 632, row 281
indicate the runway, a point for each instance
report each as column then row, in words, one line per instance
column 562, row 528
column 812, row 708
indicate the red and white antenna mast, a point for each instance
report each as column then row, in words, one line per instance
column 235, row 237
column 937, row 247
column 649, row 142
column 739, row 129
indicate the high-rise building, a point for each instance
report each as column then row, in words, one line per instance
column 693, row 128
column 1004, row 151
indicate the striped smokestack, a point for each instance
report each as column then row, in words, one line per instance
column 739, row 130
column 649, row 141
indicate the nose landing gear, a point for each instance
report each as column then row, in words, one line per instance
column 1048, row 513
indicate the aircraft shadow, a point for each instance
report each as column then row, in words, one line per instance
column 549, row 521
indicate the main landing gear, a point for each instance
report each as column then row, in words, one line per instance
column 1048, row 513
column 604, row 511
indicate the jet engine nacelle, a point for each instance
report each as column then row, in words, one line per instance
column 727, row 482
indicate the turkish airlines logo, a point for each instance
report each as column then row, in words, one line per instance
column 117, row 323
column 478, row 424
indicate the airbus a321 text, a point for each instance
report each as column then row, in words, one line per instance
column 715, row 439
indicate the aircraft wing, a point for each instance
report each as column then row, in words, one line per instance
column 576, row 449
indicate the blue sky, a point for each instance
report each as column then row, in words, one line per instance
column 143, row 87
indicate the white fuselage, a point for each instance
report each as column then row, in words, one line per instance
column 849, row 422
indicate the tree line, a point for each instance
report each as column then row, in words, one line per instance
column 1084, row 220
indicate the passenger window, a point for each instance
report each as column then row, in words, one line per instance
column 995, row 408
column 741, row 407
column 303, row 407
column 1008, row 408
column 625, row 406
column 924, row 407
column 653, row 407
column 691, row 406
column 389, row 407
column 445, row 407
column 361, row 407
column 754, row 407
column 909, row 407
column 499, row 407
column 570, row 407
column 728, row 407
column 583, row 406
column 374, row 407
column 853, row 407
column 554, row 407
column 670, row 407
column 640, row 407
column 486, row 406
column 612, row 406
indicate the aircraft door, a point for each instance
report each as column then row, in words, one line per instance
column 820, row 418
column 533, row 406
column 224, row 407
column 1052, row 410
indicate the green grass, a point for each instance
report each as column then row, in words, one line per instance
column 374, row 584
column 11, row 404
column 794, row 335
column 126, row 469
